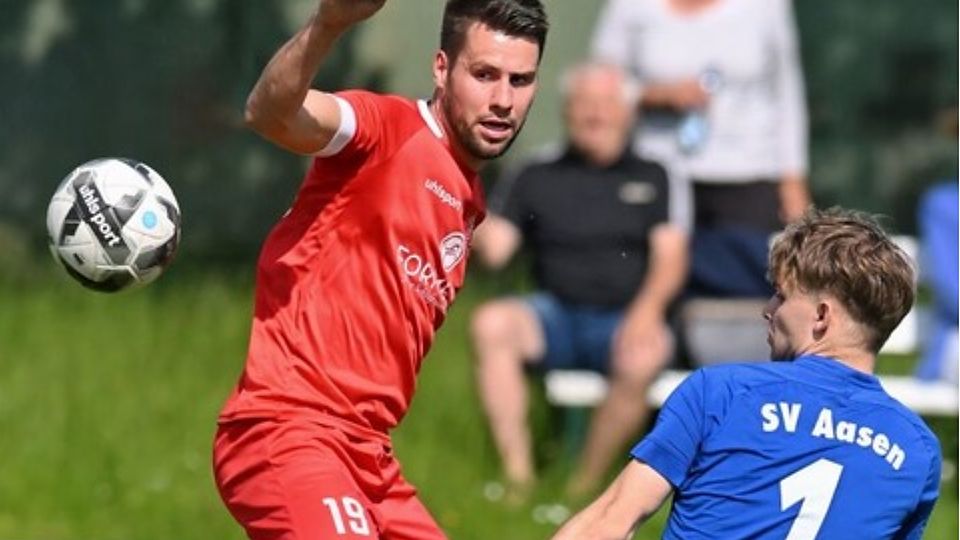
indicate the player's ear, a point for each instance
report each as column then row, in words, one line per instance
column 441, row 69
column 823, row 316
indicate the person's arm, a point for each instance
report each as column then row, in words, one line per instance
column 794, row 196
column 496, row 240
column 667, row 270
column 666, row 274
column 791, row 107
column 500, row 235
column 681, row 95
column 660, row 461
column 282, row 107
column 938, row 235
column 632, row 498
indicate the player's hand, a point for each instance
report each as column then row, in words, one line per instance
column 341, row 14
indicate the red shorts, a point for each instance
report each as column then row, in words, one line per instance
column 298, row 480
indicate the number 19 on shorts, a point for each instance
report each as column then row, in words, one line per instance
column 347, row 514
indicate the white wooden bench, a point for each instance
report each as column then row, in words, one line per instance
column 571, row 388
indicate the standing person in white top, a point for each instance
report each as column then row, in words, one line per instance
column 723, row 103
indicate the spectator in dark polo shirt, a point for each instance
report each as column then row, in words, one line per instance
column 607, row 235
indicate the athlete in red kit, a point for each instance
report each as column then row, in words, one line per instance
column 354, row 281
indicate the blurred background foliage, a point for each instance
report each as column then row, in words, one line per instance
column 165, row 82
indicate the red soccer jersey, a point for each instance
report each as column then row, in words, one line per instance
column 354, row 281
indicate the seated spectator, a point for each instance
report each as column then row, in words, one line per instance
column 607, row 236
column 938, row 237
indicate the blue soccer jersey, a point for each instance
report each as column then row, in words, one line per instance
column 797, row 450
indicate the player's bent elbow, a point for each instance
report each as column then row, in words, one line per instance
column 264, row 117
column 267, row 126
column 254, row 117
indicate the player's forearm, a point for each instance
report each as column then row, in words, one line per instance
column 283, row 85
column 593, row 524
column 632, row 498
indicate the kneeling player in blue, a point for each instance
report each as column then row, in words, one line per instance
column 808, row 446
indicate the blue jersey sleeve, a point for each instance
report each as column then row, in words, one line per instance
column 671, row 446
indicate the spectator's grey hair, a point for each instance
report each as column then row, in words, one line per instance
column 631, row 87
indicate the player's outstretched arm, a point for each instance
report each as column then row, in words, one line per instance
column 282, row 107
column 633, row 497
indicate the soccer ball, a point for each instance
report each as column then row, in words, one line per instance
column 113, row 223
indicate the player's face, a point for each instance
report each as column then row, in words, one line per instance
column 485, row 94
column 791, row 317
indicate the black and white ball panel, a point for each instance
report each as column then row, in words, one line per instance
column 113, row 223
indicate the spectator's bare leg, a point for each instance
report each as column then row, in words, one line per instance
column 621, row 415
column 505, row 333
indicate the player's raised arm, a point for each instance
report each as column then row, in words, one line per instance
column 282, row 107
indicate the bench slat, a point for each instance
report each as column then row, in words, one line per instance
column 572, row 388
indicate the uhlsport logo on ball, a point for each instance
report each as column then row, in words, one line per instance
column 113, row 223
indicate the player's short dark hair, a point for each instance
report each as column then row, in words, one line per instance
column 516, row 18
column 847, row 254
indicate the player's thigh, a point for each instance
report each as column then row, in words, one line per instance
column 404, row 517
column 244, row 479
column 291, row 486
column 323, row 501
column 509, row 321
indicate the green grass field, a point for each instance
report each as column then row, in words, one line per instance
column 107, row 408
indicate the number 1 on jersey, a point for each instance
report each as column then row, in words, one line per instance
column 815, row 485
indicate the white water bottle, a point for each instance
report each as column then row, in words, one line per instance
column 693, row 128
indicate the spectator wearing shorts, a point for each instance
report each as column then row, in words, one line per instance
column 607, row 234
